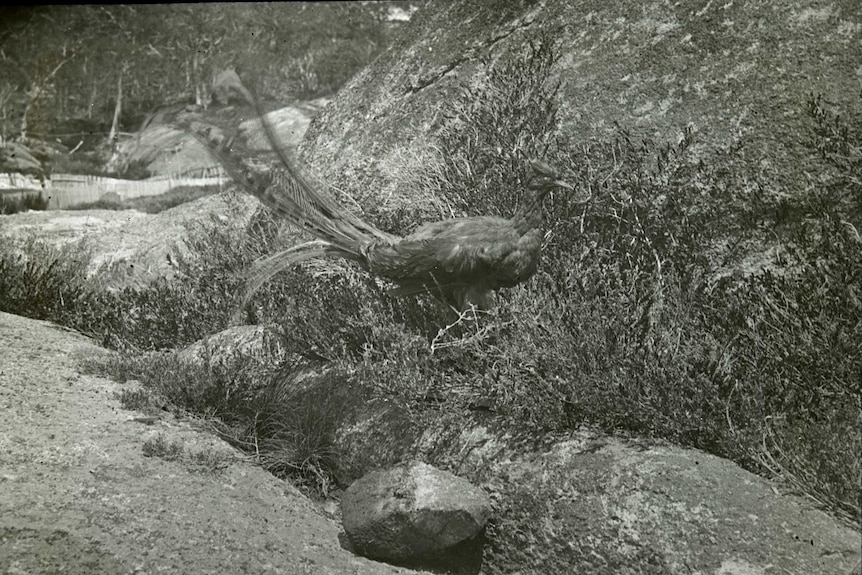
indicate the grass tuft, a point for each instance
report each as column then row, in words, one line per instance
column 160, row 447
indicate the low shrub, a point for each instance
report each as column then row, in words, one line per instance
column 43, row 282
column 29, row 202
column 163, row 449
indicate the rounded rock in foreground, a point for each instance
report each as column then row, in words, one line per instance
column 412, row 512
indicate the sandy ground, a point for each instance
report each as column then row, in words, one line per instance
column 78, row 495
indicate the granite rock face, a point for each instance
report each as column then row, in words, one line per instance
column 737, row 74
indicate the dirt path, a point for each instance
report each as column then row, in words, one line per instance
column 78, row 496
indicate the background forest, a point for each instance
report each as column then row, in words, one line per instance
column 68, row 70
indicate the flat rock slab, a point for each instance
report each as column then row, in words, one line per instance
column 78, row 495
column 129, row 248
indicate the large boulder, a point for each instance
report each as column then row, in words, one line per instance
column 590, row 503
column 289, row 125
column 412, row 512
column 165, row 147
column 737, row 73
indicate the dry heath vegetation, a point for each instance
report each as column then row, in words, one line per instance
column 678, row 298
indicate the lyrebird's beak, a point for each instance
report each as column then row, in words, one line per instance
column 564, row 185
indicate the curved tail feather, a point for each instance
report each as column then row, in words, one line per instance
column 294, row 196
column 301, row 191
column 266, row 268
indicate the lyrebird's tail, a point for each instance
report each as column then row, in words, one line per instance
column 295, row 197
column 302, row 191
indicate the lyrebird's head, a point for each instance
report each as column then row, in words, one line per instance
column 544, row 178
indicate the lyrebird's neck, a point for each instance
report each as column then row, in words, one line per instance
column 529, row 215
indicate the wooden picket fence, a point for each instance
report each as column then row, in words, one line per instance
column 68, row 190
